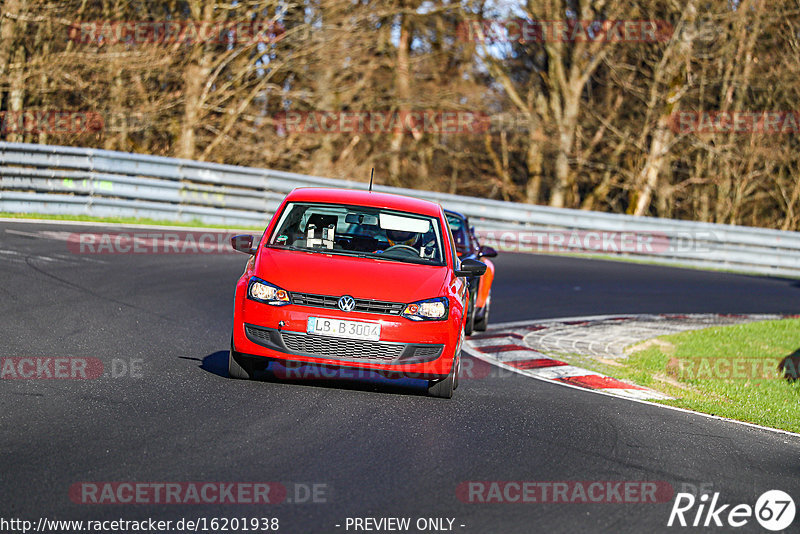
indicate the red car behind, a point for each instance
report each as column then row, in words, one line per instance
column 353, row 279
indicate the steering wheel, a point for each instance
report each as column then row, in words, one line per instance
column 404, row 248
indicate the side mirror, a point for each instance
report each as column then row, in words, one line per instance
column 487, row 252
column 470, row 267
column 243, row 243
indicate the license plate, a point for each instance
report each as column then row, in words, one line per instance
column 340, row 328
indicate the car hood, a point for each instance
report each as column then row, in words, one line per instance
column 323, row 274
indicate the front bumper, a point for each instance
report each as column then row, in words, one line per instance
column 423, row 349
column 342, row 349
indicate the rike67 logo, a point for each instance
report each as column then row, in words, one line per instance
column 774, row 510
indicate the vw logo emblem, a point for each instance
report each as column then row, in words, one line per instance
column 346, row 303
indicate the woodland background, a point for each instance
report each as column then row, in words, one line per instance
column 575, row 124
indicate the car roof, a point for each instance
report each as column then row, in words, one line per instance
column 358, row 197
column 456, row 213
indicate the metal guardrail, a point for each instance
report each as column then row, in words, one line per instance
column 79, row 181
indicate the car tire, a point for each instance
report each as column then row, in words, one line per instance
column 458, row 372
column 481, row 324
column 239, row 366
column 444, row 388
column 469, row 323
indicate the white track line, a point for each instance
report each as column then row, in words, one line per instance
column 59, row 222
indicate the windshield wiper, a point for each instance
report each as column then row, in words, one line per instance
column 290, row 247
column 350, row 253
column 413, row 261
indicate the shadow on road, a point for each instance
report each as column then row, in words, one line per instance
column 215, row 363
column 318, row 376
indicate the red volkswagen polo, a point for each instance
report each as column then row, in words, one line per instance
column 353, row 279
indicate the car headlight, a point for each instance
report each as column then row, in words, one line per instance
column 267, row 293
column 427, row 310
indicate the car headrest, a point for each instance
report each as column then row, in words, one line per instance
column 322, row 221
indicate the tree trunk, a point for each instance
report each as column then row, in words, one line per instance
column 194, row 79
column 402, row 97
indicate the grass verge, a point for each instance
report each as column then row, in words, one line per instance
column 729, row 371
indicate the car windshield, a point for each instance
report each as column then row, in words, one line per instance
column 459, row 233
column 360, row 231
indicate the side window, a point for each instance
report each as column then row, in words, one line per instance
column 456, row 263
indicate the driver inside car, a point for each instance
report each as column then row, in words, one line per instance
column 420, row 243
column 400, row 238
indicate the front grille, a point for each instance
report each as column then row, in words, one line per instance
column 260, row 333
column 342, row 348
column 425, row 353
column 337, row 348
column 362, row 305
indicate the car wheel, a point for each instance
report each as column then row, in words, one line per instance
column 444, row 388
column 239, row 366
column 481, row 324
column 458, row 372
column 470, row 321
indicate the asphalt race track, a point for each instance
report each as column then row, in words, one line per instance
column 161, row 324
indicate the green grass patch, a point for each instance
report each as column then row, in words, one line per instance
column 126, row 220
column 729, row 371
